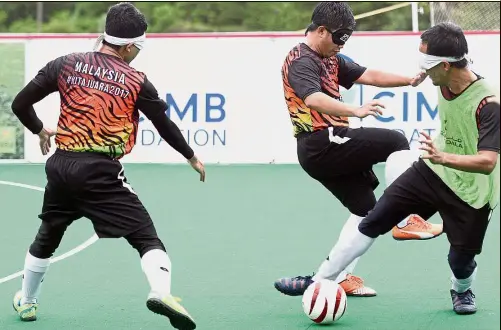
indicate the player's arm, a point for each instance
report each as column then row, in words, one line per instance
column 485, row 160
column 348, row 70
column 154, row 109
column 383, row 79
column 304, row 78
column 44, row 83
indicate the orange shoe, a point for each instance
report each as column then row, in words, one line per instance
column 354, row 286
column 417, row 229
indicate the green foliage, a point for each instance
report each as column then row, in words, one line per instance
column 3, row 18
column 81, row 17
column 11, row 82
column 25, row 25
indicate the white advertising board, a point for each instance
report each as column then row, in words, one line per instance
column 226, row 93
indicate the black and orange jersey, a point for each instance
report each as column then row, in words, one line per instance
column 100, row 97
column 304, row 72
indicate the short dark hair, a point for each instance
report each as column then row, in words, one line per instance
column 446, row 39
column 125, row 21
column 332, row 14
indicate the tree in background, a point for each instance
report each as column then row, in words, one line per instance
column 81, row 17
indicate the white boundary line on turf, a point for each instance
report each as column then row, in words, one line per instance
column 13, row 161
column 68, row 254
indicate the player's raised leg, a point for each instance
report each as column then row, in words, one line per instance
column 409, row 194
column 413, row 227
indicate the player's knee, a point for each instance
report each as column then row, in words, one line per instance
column 381, row 219
column 47, row 241
column 144, row 246
column 42, row 251
column 397, row 163
column 158, row 245
column 145, row 240
column 369, row 228
column 462, row 264
column 400, row 141
column 362, row 208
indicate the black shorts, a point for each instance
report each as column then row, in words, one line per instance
column 341, row 159
column 420, row 191
column 91, row 185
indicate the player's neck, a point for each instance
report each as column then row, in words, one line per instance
column 110, row 51
column 312, row 44
column 461, row 80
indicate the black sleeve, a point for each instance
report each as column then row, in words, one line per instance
column 154, row 109
column 48, row 75
column 304, row 77
column 22, row 106
column 44, row 83
column 488, row 127
column 348, row 72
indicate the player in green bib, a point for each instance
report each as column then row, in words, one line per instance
column 457, row 174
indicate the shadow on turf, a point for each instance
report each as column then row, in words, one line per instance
column 346, row 323
column 340, row 324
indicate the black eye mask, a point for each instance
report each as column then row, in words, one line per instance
column 341, row 36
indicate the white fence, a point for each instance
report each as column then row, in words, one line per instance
column 225, row 92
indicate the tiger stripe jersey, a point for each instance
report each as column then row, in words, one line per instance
column 304, row 72
column 99, row 94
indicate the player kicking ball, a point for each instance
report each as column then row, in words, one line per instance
column 457, row 175
column 101, row 96
column 337, row 156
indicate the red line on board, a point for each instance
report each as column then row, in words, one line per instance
column 24, row 36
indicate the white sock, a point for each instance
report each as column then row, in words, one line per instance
column 349, row 227
column 396, row 164
column 348, row 270
column 461, row 286
column 34, row 272
column 157, row 267
column 351, row 245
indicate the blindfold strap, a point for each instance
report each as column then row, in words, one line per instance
column 429, row 61
column 138, row 41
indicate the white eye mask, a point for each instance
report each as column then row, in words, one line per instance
column 429, row 61
column 138, row 42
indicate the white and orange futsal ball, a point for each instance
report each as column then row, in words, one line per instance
column 324, row 302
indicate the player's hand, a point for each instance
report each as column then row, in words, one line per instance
column 373, row 108
column 418, row 79
column 44, row 136
column 433, row 154
column 198, row 166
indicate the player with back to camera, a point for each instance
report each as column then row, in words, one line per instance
column 339, row 157
column 101, row 96
column 457, row 175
